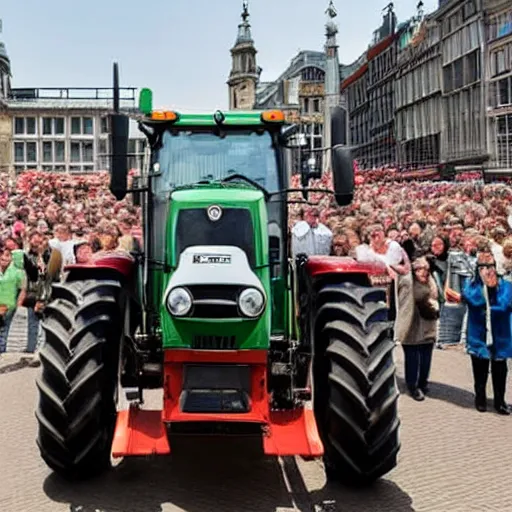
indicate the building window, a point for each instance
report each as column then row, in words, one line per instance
column 500, row 25
column 25, row 126
column 447, row 78
column 53, row 126
column 132, row 146
column 312, row 74
column 82, row 151
column 105, row 125
column 59, row 155
column 103, row 147
column 458, row 74
column 25, row 152
column 504, row 91
column 504, row 141
column 47, row 152
column 472, row 67
column 316, row 105
column 82, row 126
column 19, row 151
column 501, row 60
column 53, row 151
column 469, row 9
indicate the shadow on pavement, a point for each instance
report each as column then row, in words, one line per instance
column 383, row 496
column 440, row 391
column 231, row 481
column 24, row 362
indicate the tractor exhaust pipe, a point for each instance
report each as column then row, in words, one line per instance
column 119, row 133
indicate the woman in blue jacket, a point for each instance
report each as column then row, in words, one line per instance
column 489, row 338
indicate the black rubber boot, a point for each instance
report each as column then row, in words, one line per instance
column 499, row 384
column 480, row 373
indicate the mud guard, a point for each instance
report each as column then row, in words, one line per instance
column 120, row 264
column 322, row 265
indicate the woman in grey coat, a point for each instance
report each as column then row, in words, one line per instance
column 419, row 341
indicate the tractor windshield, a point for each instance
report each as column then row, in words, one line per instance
column 190, row 156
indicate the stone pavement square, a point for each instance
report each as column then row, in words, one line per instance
column 453, row 459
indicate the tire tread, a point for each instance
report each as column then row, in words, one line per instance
column 359, row 423
column 76, row 411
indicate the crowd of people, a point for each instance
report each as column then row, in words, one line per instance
column 447, row 247
column 42, row 211
column 436, row 238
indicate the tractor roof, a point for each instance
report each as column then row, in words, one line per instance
column 218, row 118
column 216, row 192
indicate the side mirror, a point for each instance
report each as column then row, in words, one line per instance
column 338, row 127
column 342, row 175
column 119, row 134
column 341, row 158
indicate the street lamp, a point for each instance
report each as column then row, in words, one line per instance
column 312, row 164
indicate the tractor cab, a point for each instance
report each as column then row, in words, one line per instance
column 214, row 181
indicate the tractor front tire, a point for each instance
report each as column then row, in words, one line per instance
column 355, row 390
column 78, row 382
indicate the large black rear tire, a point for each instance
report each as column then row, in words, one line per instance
column 355, row 390
column 78, row 382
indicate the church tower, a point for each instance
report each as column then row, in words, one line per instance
column 245, row 74
column 5, row 120
column 332, row 79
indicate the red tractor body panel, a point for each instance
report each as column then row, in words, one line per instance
column 120, row 262
column 321, row 265
column 284, row 433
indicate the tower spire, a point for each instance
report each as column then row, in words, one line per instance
column 245, row 73
column 331, row 80
column 244, row 28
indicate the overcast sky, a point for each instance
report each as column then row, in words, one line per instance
column 179, row 48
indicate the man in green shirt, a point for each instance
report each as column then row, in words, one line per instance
column 12, row 293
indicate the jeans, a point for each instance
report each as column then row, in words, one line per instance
column 33, row 330
column 4, row 329
column 452, row 326
column 418, row 360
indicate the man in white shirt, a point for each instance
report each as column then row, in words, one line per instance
column 63, row 243
column 310, row 236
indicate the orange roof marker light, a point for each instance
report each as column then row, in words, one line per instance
column 164, row 115
column 272, row 116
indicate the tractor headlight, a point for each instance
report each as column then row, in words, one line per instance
column 179, row 302
column 251, row 302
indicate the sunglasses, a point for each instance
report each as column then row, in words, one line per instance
column 486, row 265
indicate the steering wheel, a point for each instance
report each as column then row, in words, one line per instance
column 241, row 177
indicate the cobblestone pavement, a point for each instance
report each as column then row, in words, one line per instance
column 453, row 459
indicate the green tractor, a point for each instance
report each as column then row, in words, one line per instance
column 209, row 313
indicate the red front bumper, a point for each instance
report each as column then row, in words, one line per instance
column 143, row 432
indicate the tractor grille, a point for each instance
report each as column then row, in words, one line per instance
column 214, row 342
column 215, row 301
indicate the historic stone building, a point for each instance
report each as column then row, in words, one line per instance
column 355, row 88
column 64, row 129
column 370, row 98
column 5, row 123
column 418, row 100
column 499, row 84
column 463, row 135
